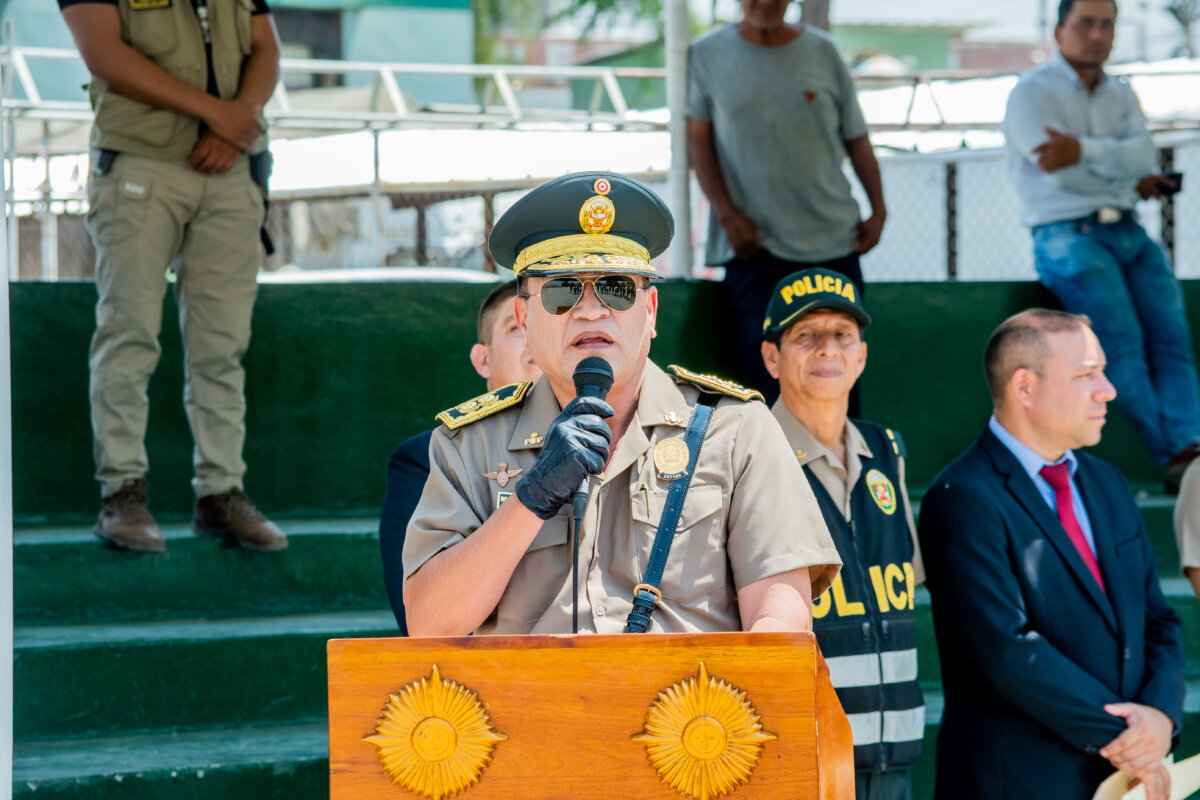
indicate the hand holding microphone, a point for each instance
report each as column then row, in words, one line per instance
column 576, row 444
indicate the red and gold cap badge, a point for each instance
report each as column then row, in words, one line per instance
column 598, row 214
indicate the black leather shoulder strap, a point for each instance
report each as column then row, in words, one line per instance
column 646, row 595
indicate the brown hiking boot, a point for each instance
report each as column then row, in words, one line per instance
column 126, row 522
column 232, row 514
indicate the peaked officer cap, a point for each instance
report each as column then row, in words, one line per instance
column 584, row 222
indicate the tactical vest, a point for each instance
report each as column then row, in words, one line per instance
column 865, row 623
column 168, row 33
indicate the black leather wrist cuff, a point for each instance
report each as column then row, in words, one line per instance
column 536, row 501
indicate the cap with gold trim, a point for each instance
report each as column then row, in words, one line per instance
column 809, row 290
column 584, row 222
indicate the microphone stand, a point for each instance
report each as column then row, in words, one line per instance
column 578, row 508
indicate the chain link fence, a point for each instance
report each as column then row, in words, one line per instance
column 956, row 217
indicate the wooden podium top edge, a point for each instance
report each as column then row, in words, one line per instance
column 578, row 641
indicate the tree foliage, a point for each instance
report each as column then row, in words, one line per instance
column 596, row 11
column 495, row 17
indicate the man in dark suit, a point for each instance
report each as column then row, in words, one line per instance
column 500, row 357
column 1060, row 658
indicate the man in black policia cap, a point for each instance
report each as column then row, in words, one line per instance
column 813, row 345
column 489, row 548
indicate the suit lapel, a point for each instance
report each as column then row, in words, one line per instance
column 1103, row 513
column 1021, row 486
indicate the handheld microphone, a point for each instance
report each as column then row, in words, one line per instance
column 593, row 377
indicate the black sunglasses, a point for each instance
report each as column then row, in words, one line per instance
column 560, row 295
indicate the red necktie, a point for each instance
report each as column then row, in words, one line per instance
column 1058, row 476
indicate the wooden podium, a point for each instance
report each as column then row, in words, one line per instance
column 644, row 716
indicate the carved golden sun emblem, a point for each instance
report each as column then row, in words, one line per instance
column 703, row 737
column 434, row 737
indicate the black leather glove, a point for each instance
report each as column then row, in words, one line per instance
column 576, row 446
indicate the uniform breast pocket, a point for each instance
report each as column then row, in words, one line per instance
column 538, row 577
column 697, row 564
column 152, row 31
column 243, row 11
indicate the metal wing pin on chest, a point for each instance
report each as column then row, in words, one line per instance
column 503, row 474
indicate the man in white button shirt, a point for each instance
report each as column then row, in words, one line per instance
column 1080, row 156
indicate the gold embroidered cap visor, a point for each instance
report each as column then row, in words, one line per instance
column 584, row 222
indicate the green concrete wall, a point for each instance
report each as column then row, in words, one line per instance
column 339, row 373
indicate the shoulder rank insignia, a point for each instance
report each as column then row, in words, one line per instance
column 896, row 442
column 485, row 405
column 711, row 383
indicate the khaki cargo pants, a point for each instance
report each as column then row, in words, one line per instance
column 144, row 215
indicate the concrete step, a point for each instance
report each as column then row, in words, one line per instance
column 264, row 763
column 66, row 576
column 1178, row 593
column 117, row 679
column 1158, row 511
column 289, row 762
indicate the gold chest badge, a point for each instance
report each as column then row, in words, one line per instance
column 882, row 491
column 671, row 459
column 598, row 214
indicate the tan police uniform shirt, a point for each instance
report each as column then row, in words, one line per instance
column 749, row 515
column 838, row 479
column 1187, row 517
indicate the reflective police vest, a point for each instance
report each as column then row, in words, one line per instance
column 864, row 622
column 168, row 33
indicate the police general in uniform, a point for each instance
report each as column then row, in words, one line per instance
column 488, row 549
column 813, row 345
column 177, row 89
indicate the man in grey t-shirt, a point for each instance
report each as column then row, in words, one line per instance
column 772, row 112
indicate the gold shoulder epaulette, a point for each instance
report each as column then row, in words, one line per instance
column 711, row 383
column 485, row 405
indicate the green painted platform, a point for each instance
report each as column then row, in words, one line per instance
column 337, row 374
column 199, row 673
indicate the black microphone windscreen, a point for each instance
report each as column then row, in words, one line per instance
column 593, row 377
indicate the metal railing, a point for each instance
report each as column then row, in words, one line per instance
column 381, row 104
column 386, row 105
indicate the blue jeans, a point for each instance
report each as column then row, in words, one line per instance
column 1121, row 278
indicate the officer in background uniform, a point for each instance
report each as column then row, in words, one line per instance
column 500, row 357
column 177, row 90
column 488, row 546
column 813, row 345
